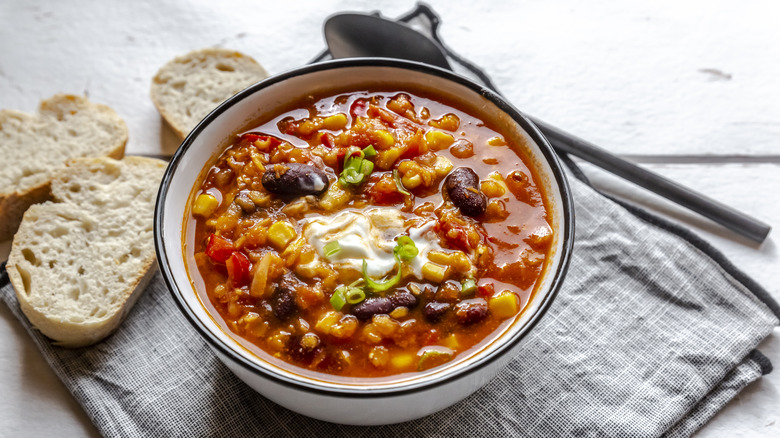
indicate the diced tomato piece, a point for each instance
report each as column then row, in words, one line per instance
column 430, row 337
column 486, row 290
column 455, row 235
column 218, row 248
column 385, row 192
column 358, row 108
column 248, row 139
column 238, row 268
column 265, row 143
column 328, row 140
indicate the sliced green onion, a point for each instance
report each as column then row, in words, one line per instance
column 379, row 286
column 356, row 168
column 369, row 151
column 355, row 295
column 366, row 168
column 398, row 184
column 332, row 248
column 337, row 300
column 468, row 287
column 405, row 248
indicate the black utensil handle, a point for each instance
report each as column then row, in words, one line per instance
column 729, row 217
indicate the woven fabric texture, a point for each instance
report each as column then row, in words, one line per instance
column 648, row 337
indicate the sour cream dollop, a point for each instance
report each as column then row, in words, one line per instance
column 369, row 235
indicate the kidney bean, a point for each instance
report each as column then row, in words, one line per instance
column 471, row 311
column 435, row 310
column 283, row 301
column 372, row 306
column 295, row 179
column 462, row 185
column 403, row 299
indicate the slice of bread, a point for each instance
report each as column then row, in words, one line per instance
column 34, row 147
column 187, row 88
column 79, row 263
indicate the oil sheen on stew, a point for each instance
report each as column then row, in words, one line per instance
column 370, row 234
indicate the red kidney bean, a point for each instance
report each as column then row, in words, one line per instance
column 372, row 306
column 403, row 299
column 283, row 301
column 471, row 311
column 462, row 185
column 295, row 179
column 435, row 310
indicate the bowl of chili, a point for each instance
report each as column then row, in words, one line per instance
column 364, row 233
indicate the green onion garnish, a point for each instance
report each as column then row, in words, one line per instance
column 332, row 248
column 379, row 286
column 355, row 295
column 356, row 168
column 369, row 151
column 400, row 187
column 468, row 287
column 405, row 248
column 337, row 300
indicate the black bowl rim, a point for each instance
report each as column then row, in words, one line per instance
column 365, row 391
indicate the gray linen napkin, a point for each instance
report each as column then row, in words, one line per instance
column 649, row 336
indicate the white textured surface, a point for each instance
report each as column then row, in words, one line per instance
column 653, row 78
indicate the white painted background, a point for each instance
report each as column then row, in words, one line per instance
column 689, row 88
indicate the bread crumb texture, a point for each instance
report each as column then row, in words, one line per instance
column 34, row 147
column 79, row 262
column 188, row 87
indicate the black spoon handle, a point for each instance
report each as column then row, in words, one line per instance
column 729, row 217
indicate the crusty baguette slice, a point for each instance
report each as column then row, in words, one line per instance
column 188, row 87
column 34, row 147
column 79, row 263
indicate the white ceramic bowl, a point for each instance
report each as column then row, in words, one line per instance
column 326, row 397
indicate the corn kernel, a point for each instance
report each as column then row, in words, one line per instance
column 308, row 126
column 280, row 234
column 403, row 360
column 458, row 260
column 451, row 342
column 411, row 181
column 386, row 159
column 496, row 141
column 335, row 122
column 437, row 140
column 492, row 189
column 442, row 166
column 399, row 312
column 503, row 305
column 384, row 139
column 205, row 205
column 449, row 122
column 334, row 198
column 435, row 273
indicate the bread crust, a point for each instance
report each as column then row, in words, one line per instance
column 14, row 202
column 57, row 323
column 184, row 70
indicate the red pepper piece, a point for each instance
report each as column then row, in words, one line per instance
column 238, row 268
column 486, row 290
column 328, row 140
column 358, row 108
column 219, row 248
